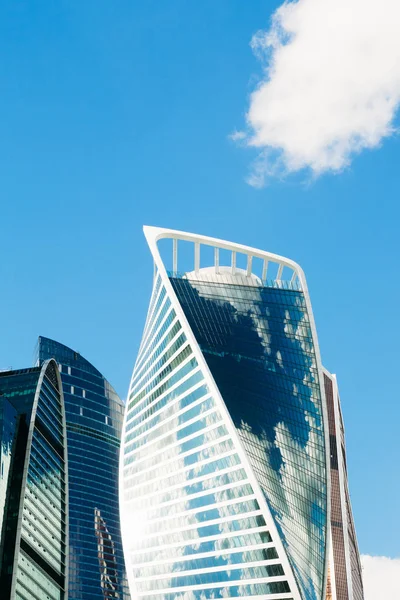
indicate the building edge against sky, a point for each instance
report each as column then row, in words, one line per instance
column 94, row 415
column 33, row 485
column 345, row 566
column 219, row 498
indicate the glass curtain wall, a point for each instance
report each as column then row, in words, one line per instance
column 33, row 485
column 94, row 415
column 194, row 528
column 258, row 345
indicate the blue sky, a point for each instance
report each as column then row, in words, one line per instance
column 115, row 115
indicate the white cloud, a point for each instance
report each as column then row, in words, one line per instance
column 381, row 577
column 237, row 136
column 331, row 85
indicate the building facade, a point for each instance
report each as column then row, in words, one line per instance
column 33, row 485
column 225, row 462
column 94, row 415
column 345, row 567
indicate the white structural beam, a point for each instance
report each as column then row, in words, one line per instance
column 175, row 255
column 216, row 259
column 249, row 265
column 197, row 257
column 233, row 262
column 265, row 270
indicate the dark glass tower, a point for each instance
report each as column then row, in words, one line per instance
column 33, row 485
column 345, row 565
column 258, row 345
column 94, row 415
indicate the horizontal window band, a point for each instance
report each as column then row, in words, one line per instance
column 150, row 346
column 194, row 511
column 94, row 433
column 200, row 463
column 215, row 553
column 172, row 367
column 203, row 478
column 210, row 538
column 161, row 363
column 205, row 586
column 183, row 367
column 280, row 596
column 152, row 360
column 168, row 406
column 134, row 415
column 197, row 419
column 170, row 418
column 200, row 525
column 158, row 297
column 189, row 482
column 37, row 558
column 127, row 470
column 203, row 571
column 131, row 457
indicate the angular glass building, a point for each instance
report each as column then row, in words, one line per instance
column 94, row 415
column 345, row 567
column 227, row 470
column 33, row 485
column 225, row 462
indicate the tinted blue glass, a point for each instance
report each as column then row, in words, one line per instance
column 176, row 376
column 154, row 470
column 32, row 485
column 155, row 406
column 216, row 560
column 258, row 344
column 94, row 415
column 255, row 589
column 166, row 412
column 211, row 547
column 150, row 365
column 186, row 491
column 213, row 577
column 8, row 424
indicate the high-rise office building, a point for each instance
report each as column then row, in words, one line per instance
column 33, row 485
column 225, row 464
column 345, row 566
column 94, row 415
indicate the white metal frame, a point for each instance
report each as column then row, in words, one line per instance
column 155, row 234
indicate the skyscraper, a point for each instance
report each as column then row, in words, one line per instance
column 225, row 469
column 33, row 485
column 94, row 415
column 345, row 566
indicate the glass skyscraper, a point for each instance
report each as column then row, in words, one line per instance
column 33, row 485
column 345, row 567
column 225, row 471
column 94, row 415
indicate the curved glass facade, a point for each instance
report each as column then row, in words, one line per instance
column 223, row 473
column 94, row 415
column 194, row 528
column 258, row 345
column 33, row 485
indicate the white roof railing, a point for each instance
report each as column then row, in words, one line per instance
column 282, row 271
